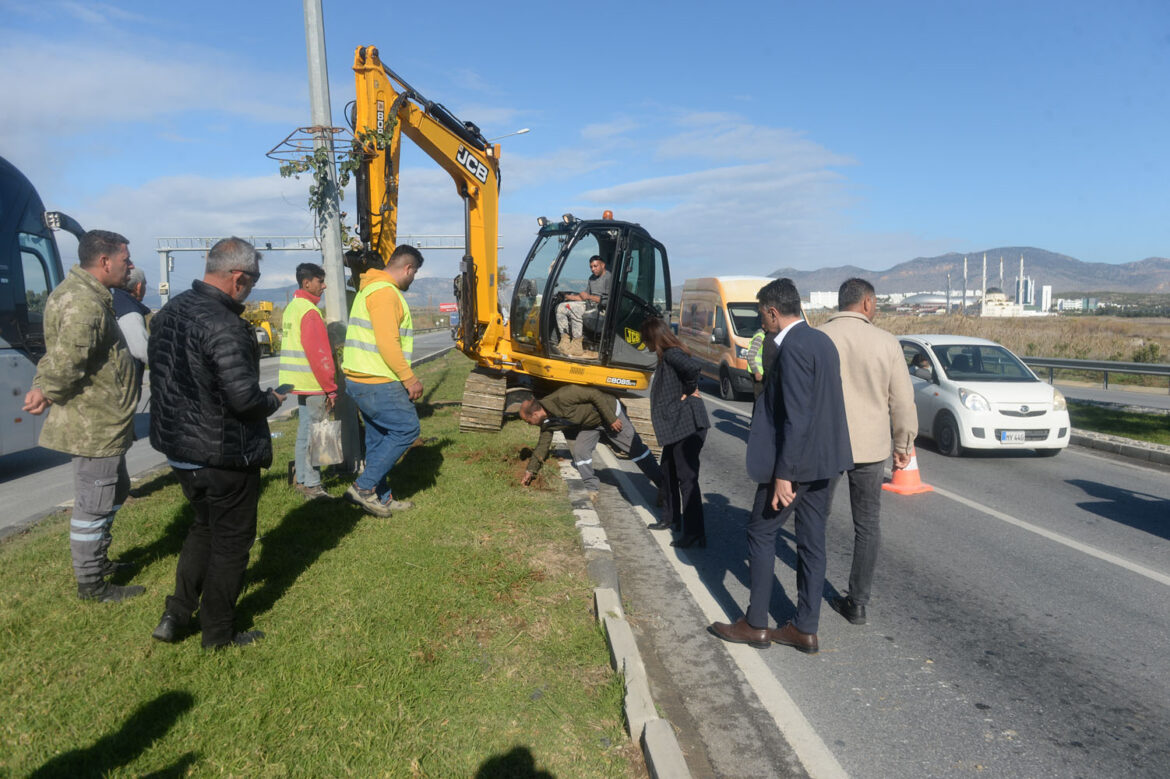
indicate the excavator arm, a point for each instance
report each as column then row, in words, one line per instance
column 387, row 107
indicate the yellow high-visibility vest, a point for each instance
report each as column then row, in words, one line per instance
column 361, row 353
column 294, row 363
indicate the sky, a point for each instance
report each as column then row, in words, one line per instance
column 746, row 138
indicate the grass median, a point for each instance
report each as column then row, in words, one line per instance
column 454, row 639
column 1152, row 428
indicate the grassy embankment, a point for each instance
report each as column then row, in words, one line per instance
column 452, row 639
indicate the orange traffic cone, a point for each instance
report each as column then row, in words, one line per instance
column 906, row 480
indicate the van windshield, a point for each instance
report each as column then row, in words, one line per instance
column 745, row 318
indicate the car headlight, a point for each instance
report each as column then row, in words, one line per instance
column 1058, row 401
column 741, row 352
column 973, row 401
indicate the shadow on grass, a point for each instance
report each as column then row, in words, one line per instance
column 289, row 549
column 144, row 727
column 515, row 764
column 418, row 470
column 168, row 544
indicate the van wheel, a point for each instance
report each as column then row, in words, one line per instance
column 726, row 390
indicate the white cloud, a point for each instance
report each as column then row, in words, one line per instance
column 601, row 131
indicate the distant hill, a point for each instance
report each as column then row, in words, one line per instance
column 1064, row 273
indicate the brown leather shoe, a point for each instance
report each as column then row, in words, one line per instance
column 790, row 636
column 741, row 633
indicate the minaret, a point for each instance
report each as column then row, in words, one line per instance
column 1023, row 295
column 1001, row 289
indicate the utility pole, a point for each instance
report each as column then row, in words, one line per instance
column 331, row 250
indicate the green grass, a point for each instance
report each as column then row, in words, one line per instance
column 452, row 639
column 1154, row 428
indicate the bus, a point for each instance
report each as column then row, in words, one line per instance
column 30, row 267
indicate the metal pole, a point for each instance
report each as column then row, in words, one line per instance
column 164, row 275
column 331, row 250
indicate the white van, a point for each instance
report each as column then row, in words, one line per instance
column 717, row 318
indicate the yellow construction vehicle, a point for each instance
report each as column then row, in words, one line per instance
column 259, row 315
column 517, row 343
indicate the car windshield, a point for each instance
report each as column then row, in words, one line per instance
column 745, row 318
column 978, row 362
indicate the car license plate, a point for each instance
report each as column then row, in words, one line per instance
column 1012, row 436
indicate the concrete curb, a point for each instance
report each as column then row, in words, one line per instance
column 660, row 747
column 1126, row 447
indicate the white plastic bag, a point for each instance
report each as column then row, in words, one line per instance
column 325, row 442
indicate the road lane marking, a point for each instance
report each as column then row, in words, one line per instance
column 1121, row 562
column 810, row 749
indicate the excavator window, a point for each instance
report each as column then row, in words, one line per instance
column 644, row 293
column 527, row 297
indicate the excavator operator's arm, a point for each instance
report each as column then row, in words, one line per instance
column 458, row 148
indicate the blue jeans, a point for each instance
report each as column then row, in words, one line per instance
column 310, row 409
column 391, row 427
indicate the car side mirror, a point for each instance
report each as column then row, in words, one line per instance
column 719, row 336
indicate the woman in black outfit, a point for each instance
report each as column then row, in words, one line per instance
column 680, row 423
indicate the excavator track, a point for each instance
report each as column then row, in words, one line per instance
column 484, row 397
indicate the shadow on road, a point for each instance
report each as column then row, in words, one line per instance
column 1139, row 510
column 144, row 727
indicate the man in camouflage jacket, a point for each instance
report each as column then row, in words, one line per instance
column 87, row 383
column 585, row 414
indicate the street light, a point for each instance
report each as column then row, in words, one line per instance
column 509, row 135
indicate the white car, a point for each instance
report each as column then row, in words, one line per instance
column 973, row 393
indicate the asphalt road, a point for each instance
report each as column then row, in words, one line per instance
column 1018, row 625
column 35, row 483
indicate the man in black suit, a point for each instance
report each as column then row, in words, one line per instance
column 799, row 441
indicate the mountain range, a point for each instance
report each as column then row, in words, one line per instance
column 1064, row 273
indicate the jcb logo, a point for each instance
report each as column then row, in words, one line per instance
column 474, row 166
column 634, row 338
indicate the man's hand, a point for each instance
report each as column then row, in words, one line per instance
column 616, row 426
column 526, row 479
column 901, row 459
column 279, row 398
column 331, row 400
column 783, row 493
column 572, row 296
column 415, row 389
column 35, row 402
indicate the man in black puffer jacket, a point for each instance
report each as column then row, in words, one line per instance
column 209, row 416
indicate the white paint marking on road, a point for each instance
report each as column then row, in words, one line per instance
column 747, row 415
column 1121, row 562
column 812, row 752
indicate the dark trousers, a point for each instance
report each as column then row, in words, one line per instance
column 680, row 467
column 865, row 501
column 810, row 507
column 211, row 567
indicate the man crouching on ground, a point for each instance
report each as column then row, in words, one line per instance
column 585, row 414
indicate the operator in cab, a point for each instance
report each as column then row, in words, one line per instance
column 579, row 306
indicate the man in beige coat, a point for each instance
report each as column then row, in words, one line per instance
column 878, row 397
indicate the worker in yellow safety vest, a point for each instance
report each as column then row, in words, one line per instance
column 755, row 361
column 306, row 363
column 376, row 361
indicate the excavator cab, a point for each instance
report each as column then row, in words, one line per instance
column 558, row 267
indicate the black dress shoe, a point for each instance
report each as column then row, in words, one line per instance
column 104, row 592
column 849, row 609
column 686, row 542
column 660, row 525
column 239, row 639
column 169, row 630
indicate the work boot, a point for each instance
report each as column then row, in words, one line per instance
column 246, row 638
column 111, row 567
column 104, row 592
column 368, row 500
column 574, row 348
column 315, row 492
column 563, row 344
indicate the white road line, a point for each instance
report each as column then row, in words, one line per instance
column 812, row 752
column 1121, row 562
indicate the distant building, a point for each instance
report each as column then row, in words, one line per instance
column 1026, row 291
column 996, row 304
column 822, row 300
column 1046, row 298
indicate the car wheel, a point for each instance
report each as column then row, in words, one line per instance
column 946, row 435
column 726, row 390
column 1047, row 452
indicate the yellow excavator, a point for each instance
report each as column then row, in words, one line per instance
column 259, row 315
column 514, row 344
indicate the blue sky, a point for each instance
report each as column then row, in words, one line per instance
column 746, row 137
